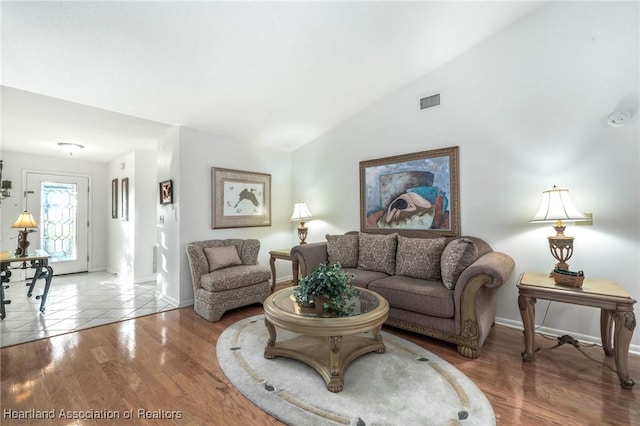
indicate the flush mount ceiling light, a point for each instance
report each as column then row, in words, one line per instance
column 70, row 147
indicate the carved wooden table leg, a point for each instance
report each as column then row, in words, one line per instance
column 336, row 383
column 625, row 323
column 378, row 338
column 606, row 325
column 527, row 306
column 272, row 340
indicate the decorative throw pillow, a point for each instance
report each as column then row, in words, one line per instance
column 377, row 252
column 419, row 257
column 343, row 249
column 222, row 257
column 457, row 256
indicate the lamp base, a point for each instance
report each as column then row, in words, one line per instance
column 561, row 248
column 23, row 243
column 302, row 234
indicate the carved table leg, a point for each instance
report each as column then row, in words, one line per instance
column 528, row 313
column 272, row 339
column 336, row 382
column 625, row 323
column 606, row 325
column 272, row 264
column 378, row 338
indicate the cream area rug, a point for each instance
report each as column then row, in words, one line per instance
column 406, row 385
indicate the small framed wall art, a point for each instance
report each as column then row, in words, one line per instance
column 240, row 199
column 125, row 199
column 166, row 192
column 114, row 199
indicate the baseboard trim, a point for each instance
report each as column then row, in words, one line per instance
column 173, row 301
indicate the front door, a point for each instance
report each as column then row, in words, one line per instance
column 60, row 204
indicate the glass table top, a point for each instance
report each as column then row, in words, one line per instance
column 363, row 302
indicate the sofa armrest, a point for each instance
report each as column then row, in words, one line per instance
column 309, row 256
column 497, row 266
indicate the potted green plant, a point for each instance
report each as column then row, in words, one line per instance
column 328, row 287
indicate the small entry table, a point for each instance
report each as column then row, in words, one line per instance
column 36, row 259
column 616, row 313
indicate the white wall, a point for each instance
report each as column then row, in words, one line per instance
column 131, row 242
column 528, row 110
column 14, row 165
column 189, row 218
column 146, row 194
column 168, row 232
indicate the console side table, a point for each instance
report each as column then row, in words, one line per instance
column 616, row 313
column 36, row 259
column 283, row 254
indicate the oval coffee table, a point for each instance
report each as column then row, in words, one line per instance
column 326, row 343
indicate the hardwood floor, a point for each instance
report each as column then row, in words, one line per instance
column 166, row 364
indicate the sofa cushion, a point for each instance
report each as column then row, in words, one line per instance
column 416, row 295
column 419, row 257
column 457, row 256
column 343, row 249
column 235, row 277
column 362, row 278
column 222, row 257
column 377, row 252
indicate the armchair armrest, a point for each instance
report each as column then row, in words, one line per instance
column 309, row 256
column 197, row 262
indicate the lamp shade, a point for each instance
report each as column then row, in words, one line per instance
column 25, row 220
column 300, row 211
column 556, row 206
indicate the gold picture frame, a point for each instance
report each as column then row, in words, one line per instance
column 240, row 198
column 412, row 194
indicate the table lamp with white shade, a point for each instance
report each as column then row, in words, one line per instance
column 28, row 224
column 556, row 207
column 301, row 212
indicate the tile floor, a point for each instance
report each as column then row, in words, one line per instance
column 75, row 302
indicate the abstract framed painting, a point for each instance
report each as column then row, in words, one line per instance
column 412, row 194
column 240, row 199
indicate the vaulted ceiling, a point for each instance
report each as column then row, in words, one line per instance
column 113, row 75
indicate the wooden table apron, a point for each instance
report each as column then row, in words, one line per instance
column 38, row 260
column 616, row 313
column 328, row 345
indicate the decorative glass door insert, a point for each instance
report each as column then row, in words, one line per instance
column 58, row 209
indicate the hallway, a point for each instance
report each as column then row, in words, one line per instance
column 75, row 302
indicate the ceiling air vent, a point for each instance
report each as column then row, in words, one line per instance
column 430, row 101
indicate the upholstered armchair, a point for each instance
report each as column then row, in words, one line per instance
column 226, row 275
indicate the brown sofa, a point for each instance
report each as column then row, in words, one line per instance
column 440, row 287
